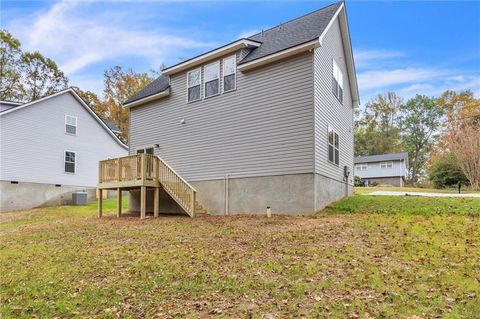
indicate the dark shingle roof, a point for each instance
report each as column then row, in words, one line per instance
column 114, row 128
column 382, row 157
column 156, row 86
column 292, row 33
column 287, row 35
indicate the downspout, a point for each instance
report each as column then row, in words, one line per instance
column 226, row 194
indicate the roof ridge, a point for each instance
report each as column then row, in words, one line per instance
column 297, row 18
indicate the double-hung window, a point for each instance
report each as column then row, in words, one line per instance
column 386, row 164
column 212, row 79
column 194, row 78
column 333, row 146
column 70, row 125
column 337, row 82
column 70, row 158
column 229, row 73
column 362, row 167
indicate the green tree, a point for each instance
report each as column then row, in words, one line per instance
column 445, row 172
column 41, row 76
column 120, row 85
column 10, row 67
column 376, row 130
column 420, row 122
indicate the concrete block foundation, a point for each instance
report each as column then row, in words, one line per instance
column 295, row 194
column 15, row 196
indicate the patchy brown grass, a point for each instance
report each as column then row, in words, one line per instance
column 65, row 262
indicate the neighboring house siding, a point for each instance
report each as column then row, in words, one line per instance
column 263, row 128
column 328, row 109
column 33, row 141
column 374, row 170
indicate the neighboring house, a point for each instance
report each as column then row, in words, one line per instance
column 6, row 105
column 50, row 148
column 386, row 169
column 261, row 121
column 114, row 128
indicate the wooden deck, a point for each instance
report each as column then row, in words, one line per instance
column 142, row 171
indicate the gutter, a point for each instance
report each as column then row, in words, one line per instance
column 149, row 98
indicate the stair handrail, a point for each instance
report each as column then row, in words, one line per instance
column 188, row 205
column 178, row 175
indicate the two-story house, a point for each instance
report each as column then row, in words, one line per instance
column 50, row 148
column 386, row 169
column 264, row 121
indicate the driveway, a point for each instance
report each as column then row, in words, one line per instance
column 393, row 193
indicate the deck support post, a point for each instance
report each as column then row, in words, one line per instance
column 100, row 200
column 156, row 202
column 143, row 201
column 119, row 202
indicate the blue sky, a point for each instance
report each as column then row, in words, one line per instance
column 408, row 47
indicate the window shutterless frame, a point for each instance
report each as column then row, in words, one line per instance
column 333, row 146
column 337, row 81
column 386, row 165
column 229, row 74
column 194, row 85
column 68, row 159
column 71, row 126
column 211, row 79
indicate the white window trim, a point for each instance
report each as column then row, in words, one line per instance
column 334, row 147
column 65, row 161
column 76, row 125
column 335, row 75
column 362, row 167
column 205, row 82
column 234, row 57
column 387, row 165
column 200, row 84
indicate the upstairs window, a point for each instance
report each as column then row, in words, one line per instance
column 70, row 125
column 229, row 73
column 337, row 80
column 333, row 146
column 386, row 165
column 362, row 167
column 70, row 162
column 212, row 79
column 193, row 85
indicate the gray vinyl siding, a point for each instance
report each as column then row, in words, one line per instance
column 374, row 170
column 264, row 127
column 329, row 110
column 33, row 141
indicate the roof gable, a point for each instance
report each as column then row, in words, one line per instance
column 290, row 36
column 80, row 100
column 292, row 33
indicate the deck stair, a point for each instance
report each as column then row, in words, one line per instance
column 143, row 170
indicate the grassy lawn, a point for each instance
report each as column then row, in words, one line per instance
column 366, row 190
column 364, row 257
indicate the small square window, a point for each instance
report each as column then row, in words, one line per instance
column 70, row 125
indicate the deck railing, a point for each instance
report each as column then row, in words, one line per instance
column 134, row 169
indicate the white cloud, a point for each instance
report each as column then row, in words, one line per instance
column 77, row 39
column 383, row 78
column 368, row 57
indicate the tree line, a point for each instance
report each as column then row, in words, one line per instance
column 441, row 135
column 28, row 76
